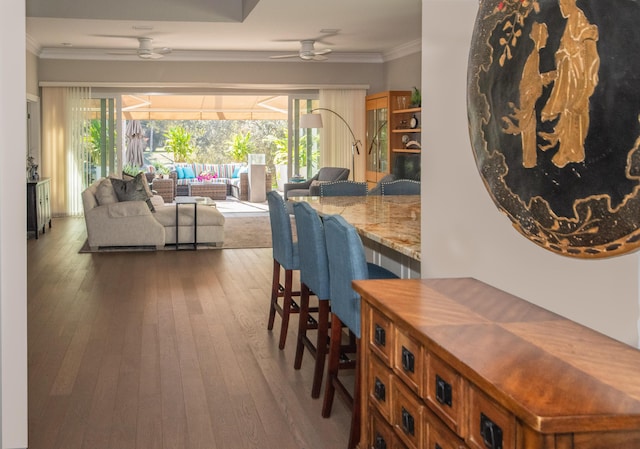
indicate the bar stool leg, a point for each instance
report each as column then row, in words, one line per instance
column 286, row 306
column 321, row 347
column 334, row 361
column 275, row 286
column 302, row 324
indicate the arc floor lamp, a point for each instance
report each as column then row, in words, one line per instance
column 311, row 120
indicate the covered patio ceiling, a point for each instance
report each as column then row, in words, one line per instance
column 204, row 107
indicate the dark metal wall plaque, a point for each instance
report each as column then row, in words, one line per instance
column 554, row 119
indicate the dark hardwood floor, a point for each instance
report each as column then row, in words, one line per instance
column 163, row 350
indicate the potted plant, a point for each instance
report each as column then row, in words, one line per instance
column 160, row 169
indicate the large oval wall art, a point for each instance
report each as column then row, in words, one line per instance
column 554, row 119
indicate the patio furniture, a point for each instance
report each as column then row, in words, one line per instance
column 311, row 187
column 285, row 255
column 165, row 188
column 211, row 190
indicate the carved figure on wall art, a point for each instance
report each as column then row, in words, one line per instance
column 554, row 110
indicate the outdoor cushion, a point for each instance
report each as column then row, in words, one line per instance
column 180, row 172
column 189, row 173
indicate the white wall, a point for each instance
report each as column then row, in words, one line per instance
column 463, row 233
column 13, row 250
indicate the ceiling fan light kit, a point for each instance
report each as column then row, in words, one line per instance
column 307, row 52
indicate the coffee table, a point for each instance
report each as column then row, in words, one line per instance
column 213, row 190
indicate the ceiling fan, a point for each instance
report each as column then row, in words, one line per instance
column 307, row 52
column 145, row 50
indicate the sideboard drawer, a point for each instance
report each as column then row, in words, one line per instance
column 382, row 339
column 490, row 425
column 382, row 436
column 408, row 415
column 440, row 437
column 446, row 393
column 380, row 387
column 409, row 362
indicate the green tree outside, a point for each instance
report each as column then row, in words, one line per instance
column 178, row 142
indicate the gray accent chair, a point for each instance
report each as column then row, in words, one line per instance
column 311, row 187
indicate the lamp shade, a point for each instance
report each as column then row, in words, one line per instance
column 310, row 121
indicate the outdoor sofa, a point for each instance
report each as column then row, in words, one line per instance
column 234, row 176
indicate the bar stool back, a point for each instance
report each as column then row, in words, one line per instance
column 285, row 255
column 347, row 262
column 314, row 279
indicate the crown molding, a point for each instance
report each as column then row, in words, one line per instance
column 203, row 56
column 401, row 51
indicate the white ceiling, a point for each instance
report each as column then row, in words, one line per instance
column 373, row 30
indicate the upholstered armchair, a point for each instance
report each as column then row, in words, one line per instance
column 311, row 187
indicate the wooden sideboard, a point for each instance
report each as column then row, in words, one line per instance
column 38, row 206
column 456, row 363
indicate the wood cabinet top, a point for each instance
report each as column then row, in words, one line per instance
column 552, row 373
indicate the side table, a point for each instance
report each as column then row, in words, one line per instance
column 181, row 200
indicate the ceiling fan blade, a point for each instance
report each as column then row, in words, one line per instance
column 151, row 55
column 319, row 58
column 295, row 55
column 123, row 52
column 162, row 50
column 322, row 52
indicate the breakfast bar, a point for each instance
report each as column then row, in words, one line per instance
column 388, row 225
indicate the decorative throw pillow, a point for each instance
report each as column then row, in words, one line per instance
column 105, row 193
column 137, row 189
column 236, row 172
column 180, row 172
column 189, row 173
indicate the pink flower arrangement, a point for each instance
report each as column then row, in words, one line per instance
column 206, row 176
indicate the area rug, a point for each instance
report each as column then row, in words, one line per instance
column 240, row 231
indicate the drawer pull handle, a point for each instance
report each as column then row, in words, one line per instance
column 379, row 390
column 443, row 391
column 379, row 443
column 491, row 433
column 380, row 336
column 407, row 422
column 408, row 360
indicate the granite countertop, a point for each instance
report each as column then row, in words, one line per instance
column 392, row 220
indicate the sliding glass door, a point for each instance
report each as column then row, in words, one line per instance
column 304, row 144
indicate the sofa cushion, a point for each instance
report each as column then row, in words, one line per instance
column 189, row 173
column 136, row 189
column 105, row 193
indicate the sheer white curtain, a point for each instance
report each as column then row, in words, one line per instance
column 65, row 128
column 335, row 137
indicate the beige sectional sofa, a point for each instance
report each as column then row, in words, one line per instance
column 112, row 222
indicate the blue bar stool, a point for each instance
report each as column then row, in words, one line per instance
column 314, row 279
column 285, row 255
column 347, row 263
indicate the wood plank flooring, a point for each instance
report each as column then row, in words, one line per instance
column 163, row 350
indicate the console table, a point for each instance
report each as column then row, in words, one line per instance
column 458, row 364
column 38, row 206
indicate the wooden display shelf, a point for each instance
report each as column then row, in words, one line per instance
column 407, row 150
column 405, row 111
column 406, row 130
